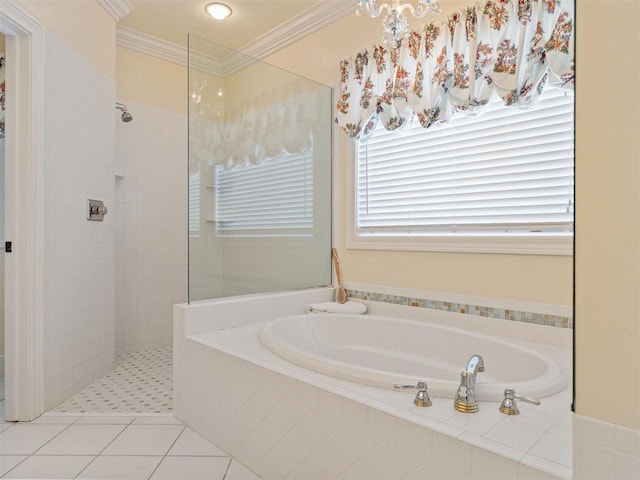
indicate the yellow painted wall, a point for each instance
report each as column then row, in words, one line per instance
column 533, row 278
column 608, row 212
column 150, row 81
column 82, row 24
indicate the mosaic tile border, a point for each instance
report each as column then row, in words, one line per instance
column 490, row 312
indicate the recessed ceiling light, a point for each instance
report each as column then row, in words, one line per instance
column 219, row 11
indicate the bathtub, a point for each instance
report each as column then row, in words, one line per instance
column 381, row 352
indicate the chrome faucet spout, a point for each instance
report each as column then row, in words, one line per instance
column 475, row 365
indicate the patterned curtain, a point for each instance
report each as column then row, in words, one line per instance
column 508, row 48
column 2, row 93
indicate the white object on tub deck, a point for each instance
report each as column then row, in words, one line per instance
column 335, row 307
column 381, row 351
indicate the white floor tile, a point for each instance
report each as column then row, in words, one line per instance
column 120, row 468
column 7, row 462
column 157, row 420
column 50, row 467
column 24, row 439
column 144, row 440
column 192, row 468
column 82, row 440
column 237, row 471
column 190, row 443
column 104, row 420
column 55, row 419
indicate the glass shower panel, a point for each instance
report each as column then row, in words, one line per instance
column 259, row 176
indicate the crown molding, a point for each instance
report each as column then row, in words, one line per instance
column 275, row 39
column 170, row 52
column 298, row 27
column 118, row 9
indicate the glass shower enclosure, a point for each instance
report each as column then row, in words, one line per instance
column 259, row 188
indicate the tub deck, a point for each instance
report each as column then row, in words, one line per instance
column 540, row 439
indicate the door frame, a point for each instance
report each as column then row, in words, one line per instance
column 24, row 218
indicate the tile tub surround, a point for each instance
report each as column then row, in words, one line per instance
column 525, row 312
column 283, row 421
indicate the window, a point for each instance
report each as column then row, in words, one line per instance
column 273, row 198
column 501, row 181
column 194, row 204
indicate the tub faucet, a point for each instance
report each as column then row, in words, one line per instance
column 465, row 400
column 475, row 365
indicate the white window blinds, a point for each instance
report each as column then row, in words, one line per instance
column 273, row 198
column 507, row 171
column 194, row 204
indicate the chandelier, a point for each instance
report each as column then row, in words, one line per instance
column 395, row 24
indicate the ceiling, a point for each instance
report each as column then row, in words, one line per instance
column 172, row 20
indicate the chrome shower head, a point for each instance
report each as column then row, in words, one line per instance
column 126, row 116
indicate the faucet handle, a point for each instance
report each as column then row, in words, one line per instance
column 509, row 406
column 422, row 397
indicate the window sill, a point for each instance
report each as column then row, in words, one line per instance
column 549, row 245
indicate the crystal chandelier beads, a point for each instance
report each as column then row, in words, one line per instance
column 395, row 24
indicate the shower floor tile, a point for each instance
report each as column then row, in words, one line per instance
column 141, row 382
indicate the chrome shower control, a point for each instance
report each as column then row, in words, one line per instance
column 509, row 406
column 96, row 210
column 422, row 397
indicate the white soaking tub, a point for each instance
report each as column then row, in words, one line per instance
column 382, row 351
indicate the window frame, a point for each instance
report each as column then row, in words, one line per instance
column 515, row 244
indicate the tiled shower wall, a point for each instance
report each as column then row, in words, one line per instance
column 151, row 230
column 79, row 255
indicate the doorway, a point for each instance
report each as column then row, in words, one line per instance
column 2, row 135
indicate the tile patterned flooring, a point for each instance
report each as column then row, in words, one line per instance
column 141, row 382
column 120, row 427
column 112, row 447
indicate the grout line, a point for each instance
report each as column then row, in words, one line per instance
column 167, row 452
column 226, row 472
column 32, row 454
column 15, row 466
column 105, row 447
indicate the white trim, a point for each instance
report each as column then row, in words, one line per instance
column 118, row 9
column 2, row 365
column 24, row 268
column 524, row 245
column 150, row 45
column 298, row 27
column 167, row 51
column 267, row 44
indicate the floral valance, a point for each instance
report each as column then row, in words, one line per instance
column 500, row 47
column 2, row 95
column 279, row 120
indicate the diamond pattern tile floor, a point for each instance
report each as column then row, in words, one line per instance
column 141, row 382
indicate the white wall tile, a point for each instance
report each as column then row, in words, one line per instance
column 628, row 441
column 594, row 431
column 150, row 239
column 79, row 255
column 487, row 465
column 593, row 461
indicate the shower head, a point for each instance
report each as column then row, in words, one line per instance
column 126, row 116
